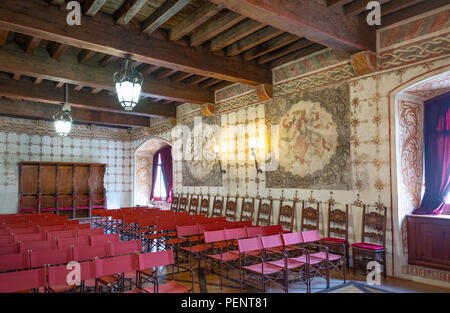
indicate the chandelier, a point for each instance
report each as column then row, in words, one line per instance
column 63, row 120
column 128, row 84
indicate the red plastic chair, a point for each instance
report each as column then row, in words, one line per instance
column 148, row 261
column 90, row 253
column 103, row 239
column 194, row 249
column 29, row 237
column 51, row 235
column 22, row 281
column 42, row 258
column 255, row 231
column 7, row 249
column 23, row 230
column 60, row 277
column 125, row 247
column 89, row 231
column 46, row 245
column 110, row 272
column 14, row 262
column 64, row 243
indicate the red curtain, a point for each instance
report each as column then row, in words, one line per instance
column 166, row 169
column 437, row 155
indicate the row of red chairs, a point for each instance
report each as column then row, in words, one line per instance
column 108, row 272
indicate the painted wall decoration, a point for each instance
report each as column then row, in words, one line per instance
column 314, row 139
column 202, row 169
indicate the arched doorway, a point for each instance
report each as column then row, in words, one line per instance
column 143, row 161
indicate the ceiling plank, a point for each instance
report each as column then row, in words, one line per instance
column 46, row 92
column 191, row 22
column 91, row 7
column 394, row 6
column 147, row 69
column 78, row 88
column 16, row 76
column 57, row 49
column 34, row 18
column 107, row 60
column 309, row 19
column 96, row 90
column 59, row 84
column 85, row 55
column 337, row 3
column 164, row 73
column 220, row 86
column 32, row 44
column 12, row 61
column 3, row 37
column 219, row 25
column 270, row 46
column 180, row 76
column 162, row 14
column 128, row 10
column 37, row 81
column 55, row 2
column 235, row 33
column 46, row 111
column 358, row 6
column 253, row 40
column 194, row 80
column 299, row 44
column 209, row 82
column 297, row 55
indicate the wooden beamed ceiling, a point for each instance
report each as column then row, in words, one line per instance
column 185, row 49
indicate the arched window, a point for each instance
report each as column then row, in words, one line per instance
column 160, row 189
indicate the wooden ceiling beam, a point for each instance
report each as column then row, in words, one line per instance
column 270, row 46
column 46, row 92
column 59, row 84
column 219, row 25
column 220, row 86
column 180, row 76
column 191, row 22
column 57, row 50
column 3, row 37
column 147, row 69
column 55, row 2
column 91, row 7
column 46, row 111
column 297, row 55
column 95, row 91
column 12, row 61
column 162, row 14
column 16, row 76
column 78, row 88
column 235, row 33
column 164, row 73
column 34, row 18
column 209, row 82
column 397, row 5
column 337, row 3
column 37, row 81
column 309, row 19
column 28, row 43
column 107, row 60
column 85, row 55
column 253, row 40
column 358, row 6
column 128, row 10
column 194, row 80
column 298, row 45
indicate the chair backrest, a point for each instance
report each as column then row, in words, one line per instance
column 183, row 203
column 310, row 215
column 204, row 206
column 247, row 209
column 292, row 238
column 255, row 231
column 116, row 265
column 271, row 241
column 175, row 202
column 8, row 249
column 264, row 212
column 286, row 216
column 53, row 228
column 22, row 280
column 29, row 237
column 60, row 234
column 64, row 243
column 37, row 245
column 236, row 233
column 155, row 259
column 14, row 262
column 310, row 235
column 217, row 207
column 63, row 274
column 125, row 247
column 231, row 209
column 90, row 252
column 190, row 230
column 272, row 230
column 214, row 236
column 56, row 257
column 250, row 244
column 90, row 231
column 374, row 225
column 102, row 239
column 23, row 230
column 337, row 222
column 193, row 205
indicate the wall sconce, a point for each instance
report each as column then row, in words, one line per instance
column 252, row 145
column 216, row 151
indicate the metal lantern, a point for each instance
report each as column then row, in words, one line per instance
column 128, row 84
column 63, row 120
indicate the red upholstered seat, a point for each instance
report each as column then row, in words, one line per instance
column 369, row 246
column 340, row 240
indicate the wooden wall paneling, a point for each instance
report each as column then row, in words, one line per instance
column 81, row 189
column 64, row 183
column 96, row 185
column 28, row 188
column 47, row 186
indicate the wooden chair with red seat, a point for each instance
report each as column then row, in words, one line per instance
column 110, row 272
column 193, row 205
column 372, row 246
column 148, row 266
column 23, row 281
column 264, row 217
column 217, row 208
column 337, row 231
column 204, row 205
column 247, row 209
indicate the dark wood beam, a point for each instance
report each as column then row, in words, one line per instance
column 107, row 60
column 180, row 76
column 147, row 69
column 57, row 50
column 16, row 76
column 216, row 27
column 128, row 10
column 220, row 86
column 59, row 84
column 91, row 7
column 298, row 45
column 337, row 3
column 397, row 5
column 253, row 40
column 78, row 88
column 96, row 90
column 358, row 6
column 164, row 73
column 3, row 37
column 234, row 34
column 46, row 111
column 162, row 14
column 46, row 92
column 194, row 80
column 12, row 61
column 209, row 82
column 191, row 22
column 85, row 55
column 34, row 18
column 309, row 19
column 55, row 2
column 297, row 55
column 37, row 81
column 28, row 43
column 270, row 46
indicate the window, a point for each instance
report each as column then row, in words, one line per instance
column 160, row 188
